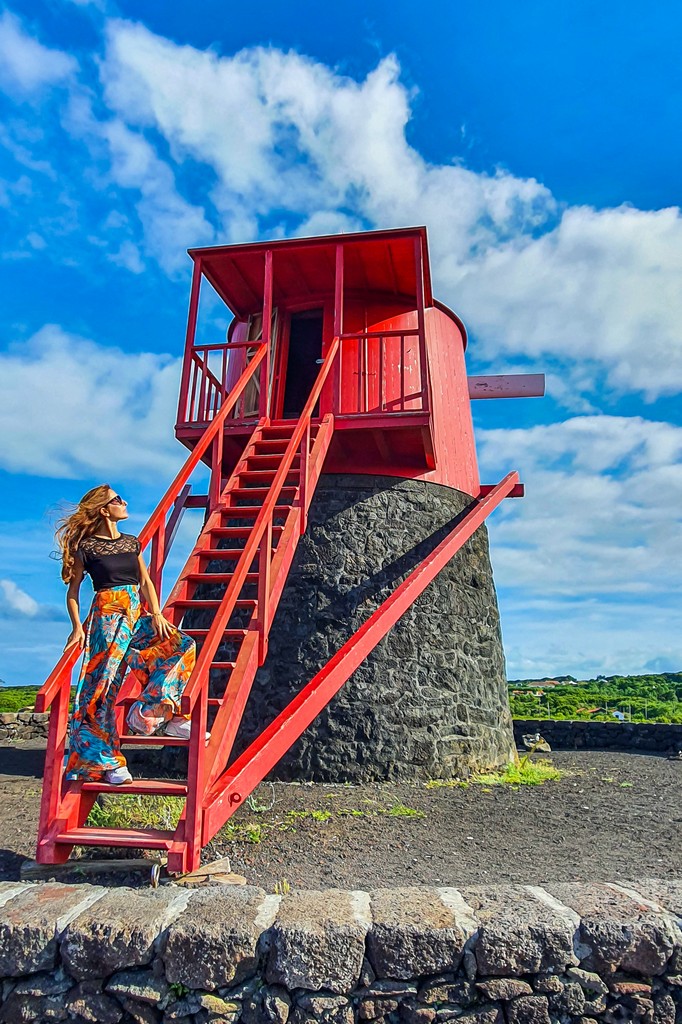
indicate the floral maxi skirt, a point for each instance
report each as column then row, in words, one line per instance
column 119, row 639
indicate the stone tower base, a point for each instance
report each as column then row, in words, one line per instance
column 431, row 700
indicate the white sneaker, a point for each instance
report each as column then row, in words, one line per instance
column 118, row 777
column 180, row 728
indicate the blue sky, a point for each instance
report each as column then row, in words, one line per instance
column 541, row 145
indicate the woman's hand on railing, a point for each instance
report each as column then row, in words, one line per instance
column 162, row 627
column 76, row 636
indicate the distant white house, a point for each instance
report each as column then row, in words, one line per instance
column 619, row 715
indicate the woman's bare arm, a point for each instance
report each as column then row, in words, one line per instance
column 76, row 636
column 163, row 627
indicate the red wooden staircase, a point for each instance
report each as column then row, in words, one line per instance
column 225, row 598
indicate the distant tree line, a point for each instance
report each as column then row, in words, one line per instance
column 652, row 698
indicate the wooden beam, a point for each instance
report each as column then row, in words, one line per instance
column 507, row 385
column 517, row 491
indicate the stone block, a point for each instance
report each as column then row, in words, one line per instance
column 504, row 988
column 528, row 1010
column 616, row 931
column 588, row 980
column 521, row 930
column 225, row 924
column 18, row 1009
column 417, row 931
column 55, row 983
column 119, row 931
column 32, row 921
column 318, row 940
column 140, row 1013
column 490, row 1014
column 87, row 1002
column 446, row 989
column 142, row 986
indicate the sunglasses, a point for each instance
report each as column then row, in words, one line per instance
column 116, row 500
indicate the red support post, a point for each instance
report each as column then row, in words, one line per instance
column 338, row 327
column 215, row 484
column 423, row 364
column 189, row 342
column 158, row 557
column 264, row 409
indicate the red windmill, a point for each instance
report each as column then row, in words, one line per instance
column 339, row 362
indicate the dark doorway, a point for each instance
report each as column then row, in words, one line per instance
column 305, row 348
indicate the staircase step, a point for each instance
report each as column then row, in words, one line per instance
column 255, row 492
column 147, row 839
column 228, row 665
column 260, row 460
column 265, row 474
column 227, row 634
column 127, row 701
column 246, row 512
column 208, row 604
column 229, row 554
column 238, row 531
column 147, row 787
column 130, row 740
column 219, row 577
column 274, row 446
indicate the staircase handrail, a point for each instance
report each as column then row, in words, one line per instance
column 61, row 673
column 214, row 636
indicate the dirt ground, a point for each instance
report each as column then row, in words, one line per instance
column 616, row 815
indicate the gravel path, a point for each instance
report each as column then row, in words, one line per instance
column 616, row 815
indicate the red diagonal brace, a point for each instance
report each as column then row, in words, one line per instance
column 253, row 765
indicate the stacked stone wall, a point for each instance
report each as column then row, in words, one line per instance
column 23, row 725
column 564, row 953
column 576, row 735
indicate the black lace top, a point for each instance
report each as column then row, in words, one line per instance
column 111, row 563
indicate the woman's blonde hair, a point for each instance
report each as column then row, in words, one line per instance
column 78, row 522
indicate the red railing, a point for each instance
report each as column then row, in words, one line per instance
column 379, row 372
column 259, row 542
column 157, row 530
column 382, row 372
column 204, row 373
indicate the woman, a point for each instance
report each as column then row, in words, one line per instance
column 117, row 637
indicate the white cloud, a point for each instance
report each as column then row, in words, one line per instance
column 73, row 408
column 591, row 289
column 16, row 602
column 602, row 286
column 280, row 130
column 169, row 222
column 26, row 66
column 602, row 507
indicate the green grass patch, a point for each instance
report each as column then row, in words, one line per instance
column 401, row 811
column 134, row 811
column 523, row 773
